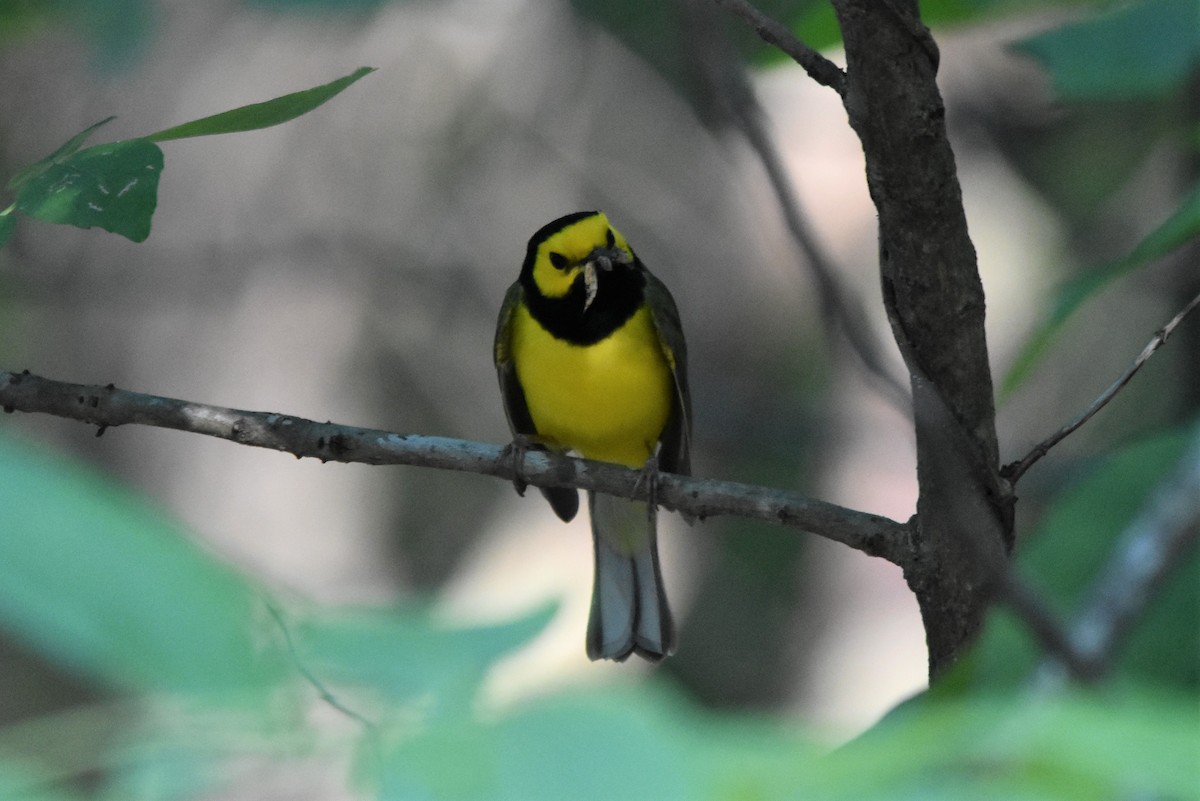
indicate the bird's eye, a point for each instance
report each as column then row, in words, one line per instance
column 558, row 260
column 612, row 240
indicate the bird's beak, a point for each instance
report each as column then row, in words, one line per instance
column 600, row 259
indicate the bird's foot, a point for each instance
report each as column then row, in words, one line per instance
column 514, row 452
column 649, row 477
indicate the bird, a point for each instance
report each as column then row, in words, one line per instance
column 591, row 359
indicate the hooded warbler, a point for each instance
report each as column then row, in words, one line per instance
column 591, row 360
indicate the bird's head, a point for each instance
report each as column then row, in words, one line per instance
column 574, row 257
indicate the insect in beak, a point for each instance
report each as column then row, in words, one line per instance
column 589, row 283
column 600, row 259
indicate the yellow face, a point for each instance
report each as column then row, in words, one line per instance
column 562, row 256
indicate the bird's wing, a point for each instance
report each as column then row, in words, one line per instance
column 675, row 455
column 515, row 408
column 564, row 501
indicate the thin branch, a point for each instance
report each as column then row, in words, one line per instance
column 369, row 727
column 107, row 406
column 819, row 68
column 724, row 77
column 1015, row 470
column 323, row 692
column 1031, row 607
column 836, row 308
column 1153, row 543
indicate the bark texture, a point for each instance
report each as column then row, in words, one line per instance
column 935, row 304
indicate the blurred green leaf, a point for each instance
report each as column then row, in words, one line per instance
column 641, row 742
column 19, row 17
column 637, row 743
column 118, row 31
column 7, row 222
column 261, row 115
column 70, row 147
column 1063, row 556
column 402, row 655
column 106, row 586
column 22, row 781
column 1178, row 229
column 1145, row 50
column 818, row 28
column 113, row 186
column 1080, row 161
column 657, row 32
column 1068, row 746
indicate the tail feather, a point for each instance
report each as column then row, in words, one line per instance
column 629, row 607
column 564, row 502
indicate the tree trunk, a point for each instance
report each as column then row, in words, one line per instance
column 935, row 305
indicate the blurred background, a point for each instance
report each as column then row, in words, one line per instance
column 349, row 266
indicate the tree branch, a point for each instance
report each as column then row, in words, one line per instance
column 837, row 308
column 819, row 68
column 730, row 92
column 107, row 406
column 957, row 481
column 1015, row 470
column 1153, row 543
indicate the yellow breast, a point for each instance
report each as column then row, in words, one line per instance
column 609, row 401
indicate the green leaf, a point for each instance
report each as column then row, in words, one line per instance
column 21, row 780
column 261, row 115
column 1179, row 229
column 1064, row 555
column 816, row 23
column 405, row 654
column 117, row 32
column 600, row 745
column 113, row 186
column 817, row 26
column 68, row 148
column 655, row 33
column 1068, row 746
column 109, row 588
column 7, row 221
column 120, row 32
column 639, row 742
column 1146, row 50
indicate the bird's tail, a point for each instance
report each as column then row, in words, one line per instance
column 629, row 608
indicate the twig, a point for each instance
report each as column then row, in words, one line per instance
column 323, row 691
column 723, row 75
column 1154, row 542
column 326, row 695
column 1015, row 470
column 1031, row 607
column 819, row 68
column 836, row 308
column 107, row 407
column 1150, row 547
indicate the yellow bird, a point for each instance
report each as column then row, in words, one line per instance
column 591, row 360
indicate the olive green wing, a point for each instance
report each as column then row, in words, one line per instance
column 675, row 454
column 511, row 392
column 564, row 501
